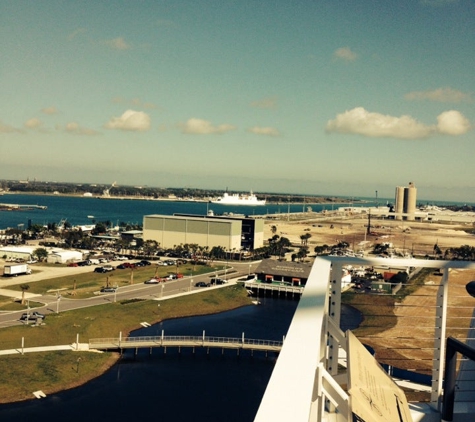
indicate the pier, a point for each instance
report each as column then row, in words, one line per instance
column 205, row 342
column 21, row 207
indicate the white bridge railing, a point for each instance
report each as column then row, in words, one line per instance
column 306, row 382
column 191, row 341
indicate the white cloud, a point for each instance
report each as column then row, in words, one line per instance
column 75, row 129
column 452, row 122
column 204, row 127
column 345, row 54
column 117, row 44
column 130, row 120
column 447, row 95
column 49, row 110
column 270, row 102
column 33, row 123
column 267, row 131
column 75, row 33
column 7, row 128
column 363, row 122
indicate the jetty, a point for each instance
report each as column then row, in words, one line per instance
column 21, row 207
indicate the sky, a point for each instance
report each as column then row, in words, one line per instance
column 322, row 97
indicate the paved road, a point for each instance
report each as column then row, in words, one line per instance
column 140, row 290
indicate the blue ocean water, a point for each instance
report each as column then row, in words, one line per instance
column 77, row 209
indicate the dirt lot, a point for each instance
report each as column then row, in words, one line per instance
column 413, row 237
column 409, row 343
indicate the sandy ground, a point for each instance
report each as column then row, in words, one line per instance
column 412, row 237
column 412, row 338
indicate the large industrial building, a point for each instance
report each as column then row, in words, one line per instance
column 405, row 206
column 233, row 233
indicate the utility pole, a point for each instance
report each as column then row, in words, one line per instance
column 368, row 229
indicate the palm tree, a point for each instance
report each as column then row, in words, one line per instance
column 150, row 247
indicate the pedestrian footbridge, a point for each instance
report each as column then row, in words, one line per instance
column 206, row 342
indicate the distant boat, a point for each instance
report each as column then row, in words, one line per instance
column 238, row 199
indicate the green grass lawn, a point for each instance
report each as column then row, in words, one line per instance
column 54, row 371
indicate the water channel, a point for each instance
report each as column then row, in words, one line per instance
column 175, row 386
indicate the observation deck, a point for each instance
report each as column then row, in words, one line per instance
column 308, row 384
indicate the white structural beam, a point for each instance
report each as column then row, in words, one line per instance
column 299, row 383
column 288, row 396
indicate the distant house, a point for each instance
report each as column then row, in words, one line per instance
column 286, row 272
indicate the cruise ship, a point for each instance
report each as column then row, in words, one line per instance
column 238, row 199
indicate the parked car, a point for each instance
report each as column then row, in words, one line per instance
column 145, row 262
column 108, row 267
column 108, row 289
column 100, row 270
column 202, row 284
column 217, row 281
column 83, row 263
column 73, row 264
column 125, row 265
column 153, row 281
column 32, row 316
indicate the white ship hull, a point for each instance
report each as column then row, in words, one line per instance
column 237, row 199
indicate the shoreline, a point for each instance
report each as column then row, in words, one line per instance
column 148, row 198
column 113, row 356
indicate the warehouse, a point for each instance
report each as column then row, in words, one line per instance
column 205, row 231
column 17, row 252
column 63, row 256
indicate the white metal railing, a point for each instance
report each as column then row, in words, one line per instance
column 146, row 341
column 305, row 383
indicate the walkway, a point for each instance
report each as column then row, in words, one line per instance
column 76, row 347
column 184, row 341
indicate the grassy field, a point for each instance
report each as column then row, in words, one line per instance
column 54, row 371
column 378, row 310
column 85, row 285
